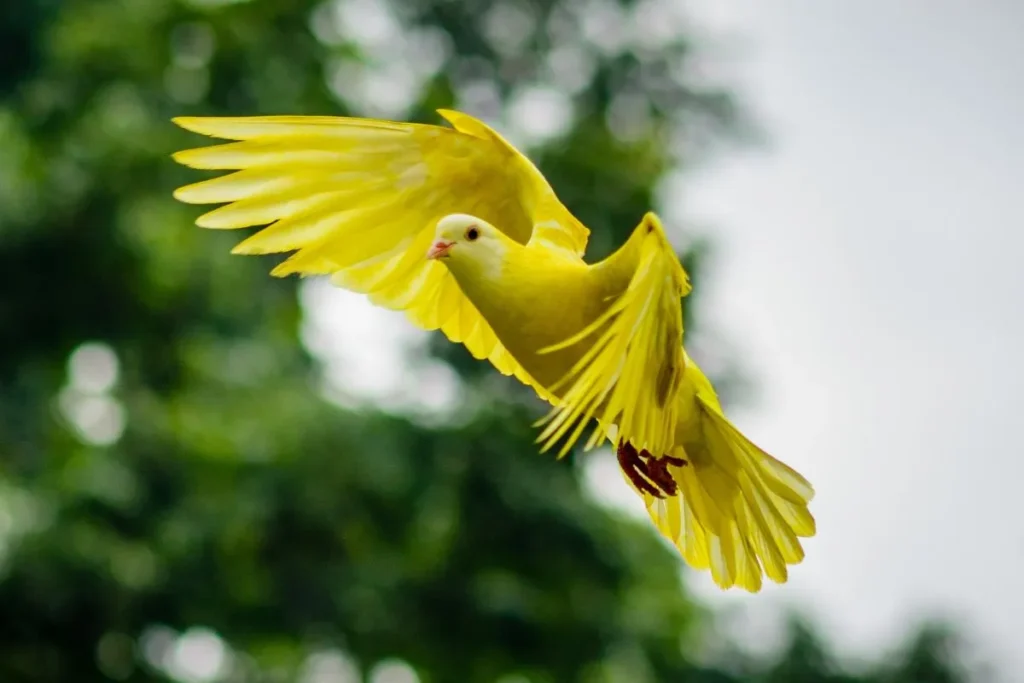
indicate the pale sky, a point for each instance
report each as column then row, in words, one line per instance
column 868, row 269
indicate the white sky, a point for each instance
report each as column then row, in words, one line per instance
column 869, row 270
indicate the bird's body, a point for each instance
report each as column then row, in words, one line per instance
column 556, row 298
column 546, row 310
column 365, row 200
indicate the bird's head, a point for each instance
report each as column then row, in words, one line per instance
column 468, row 243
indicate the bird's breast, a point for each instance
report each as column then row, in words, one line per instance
column 531, row 313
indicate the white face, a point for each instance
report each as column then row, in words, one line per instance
column 465, row 238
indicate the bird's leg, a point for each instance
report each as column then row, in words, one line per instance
column 657, row 470
column 635, row 468
column 648, row 473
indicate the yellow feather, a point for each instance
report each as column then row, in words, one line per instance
column 250, row 127
column 630, row 375
column 238, row 185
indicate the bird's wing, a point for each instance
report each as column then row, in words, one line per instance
column 359, row 199
column 631, row 375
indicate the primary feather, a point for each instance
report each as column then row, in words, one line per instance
column 362, row 200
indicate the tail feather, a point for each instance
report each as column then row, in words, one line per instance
column 740, row 513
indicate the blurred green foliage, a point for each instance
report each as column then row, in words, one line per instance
column 177, row 500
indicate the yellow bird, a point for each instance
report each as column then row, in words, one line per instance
column 458, row 229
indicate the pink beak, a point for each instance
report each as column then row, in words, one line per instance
column 439, row 249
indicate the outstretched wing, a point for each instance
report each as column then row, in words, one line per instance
column 631, row 375
column 359, row 199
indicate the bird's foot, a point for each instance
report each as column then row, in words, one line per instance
column 648, row 473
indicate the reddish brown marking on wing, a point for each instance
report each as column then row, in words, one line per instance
column 648, row 473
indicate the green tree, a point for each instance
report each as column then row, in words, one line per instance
column 171, row 479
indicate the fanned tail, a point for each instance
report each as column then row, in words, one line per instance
column 740, row 513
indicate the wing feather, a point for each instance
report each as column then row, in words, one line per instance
column 358, row 199
column 639, row 345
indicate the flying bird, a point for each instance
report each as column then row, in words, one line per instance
column 458, row 229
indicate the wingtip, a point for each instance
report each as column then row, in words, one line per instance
column 209, row 126
column 193, row 194
column 450, row 116
column 189, row 123
column 209, row 221
column 652, row 222
column 181, row 195
column 180, row 157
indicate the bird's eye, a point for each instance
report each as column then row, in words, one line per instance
column 472, row 233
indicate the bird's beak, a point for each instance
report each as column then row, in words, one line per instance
column 439, row 249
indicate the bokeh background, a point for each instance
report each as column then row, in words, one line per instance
column 208, row 475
